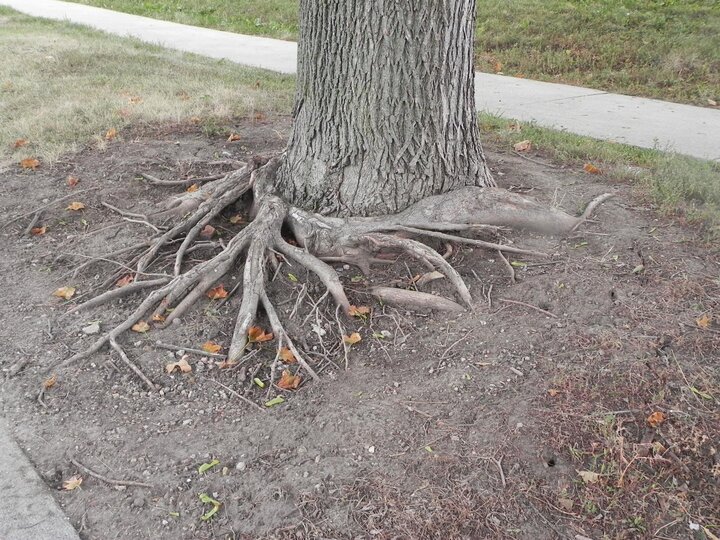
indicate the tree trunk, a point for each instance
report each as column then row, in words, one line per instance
column 384, row 112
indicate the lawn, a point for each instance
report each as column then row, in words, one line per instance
column 665, row 49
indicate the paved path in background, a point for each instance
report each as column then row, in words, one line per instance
column 27, row 509
column 647, row 123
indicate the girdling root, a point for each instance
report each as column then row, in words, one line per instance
column 316, row 239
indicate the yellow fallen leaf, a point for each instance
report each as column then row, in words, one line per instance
column 158, row 318
column 65, row 292
column 49, row 383
column 38, row 231
column 589, row 477
column 110, row 134
column 236, row 219
column 286, row 355
column 704, row 321
column 140, row 327
column 655, row 419
column 75, row 206
column 30, row 163
column 73, row 482
column 352, row 339
column 523, row 146
column 358, row 311
column 181, row 365
column 211, row 347
column 135, row 100
column 193, row 188
column 591, row 169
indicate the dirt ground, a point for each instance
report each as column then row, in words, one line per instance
column 514, row 421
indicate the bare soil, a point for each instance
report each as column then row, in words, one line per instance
column 471, row 426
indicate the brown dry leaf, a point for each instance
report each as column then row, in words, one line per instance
column 73, row 482
column 30, row 163
column 288, row 381
column 20, row 143
column 704, row 321
column 110, row 134
column 158, row 318
column 258, row 335
column 49, row 383
column 259, row 117
column 135, row 100
column 125, row 280
column 72, row 181
column 498, row 67
column 591, row 169
column 358, row 311
column 237, row 219
column 38, row 231
column 552, row 392
column 217, row 293
column 225, row 364
column 515, row 127
column 286, row 355
column 523, row 146
column 207, row 232
column 75, row 206
column 193, row 188
column 211, row 347
column 655, row 419
column 181, row 365
column 233, row 137
column 352, row 339
column 65, row 292
column 140, row 327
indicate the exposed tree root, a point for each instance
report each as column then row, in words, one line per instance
column 356, row 241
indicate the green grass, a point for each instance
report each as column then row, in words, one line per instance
column 665, row 49
column 62, row 86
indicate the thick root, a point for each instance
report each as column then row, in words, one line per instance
column 354, row 240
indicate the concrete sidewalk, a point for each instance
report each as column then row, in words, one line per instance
column 27, row 509
column 648, row 123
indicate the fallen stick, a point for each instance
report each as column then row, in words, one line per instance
column 109, row 480
column 528, row 306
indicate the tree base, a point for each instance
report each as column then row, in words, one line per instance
column 319, row 240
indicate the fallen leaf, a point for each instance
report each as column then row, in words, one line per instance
column 515, row 127
column 288, row 381
column 49, row 383
column 181, row 365
column 565, row 504
column 226, row 364
column 655, row 419
column 110, row 134
column 259, row 382
column 75, row 206
column 711, row 102
column 591, row 169
column 207, row 466
column 193, row 188
column 236, row 219
column 498, row 67
column 553, row 392
column 275, row 401
column 523, row 146
column 135, row 100
column 589, row 477
column 72, row 483
column 211, row 347
column 125, row 280
column 72, row 181
column 352, row 339
column 20, row 143
column 140, row 327
column 217, row 293
column 700, row 393
column 158, row 318
column 704, row 321
column 38, row 231
column 293, row 278
column 358, row 311
column 286, row 355
column 30, row 163
column 258, row 335
column 207, row 232
column 207, row 499
column 65, row 292
column 233, row 137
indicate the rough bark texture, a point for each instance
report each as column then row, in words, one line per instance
column 384, row 113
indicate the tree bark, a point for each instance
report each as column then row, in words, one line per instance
column 384, row 113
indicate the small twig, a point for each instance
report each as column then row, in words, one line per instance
column 109, row 480
column 169, row 347
column 236, row 394
column 48, row 205
column 444, row 354
column 531, row 160
column 123, row 213
column 498, row 464
column 131, row 365
column 32, row 223
column 508, row 265
column 529, row 306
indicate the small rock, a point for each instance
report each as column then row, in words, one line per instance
column 371, row 449
column 91, row 329
column 241, row 466
column 138, row 502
